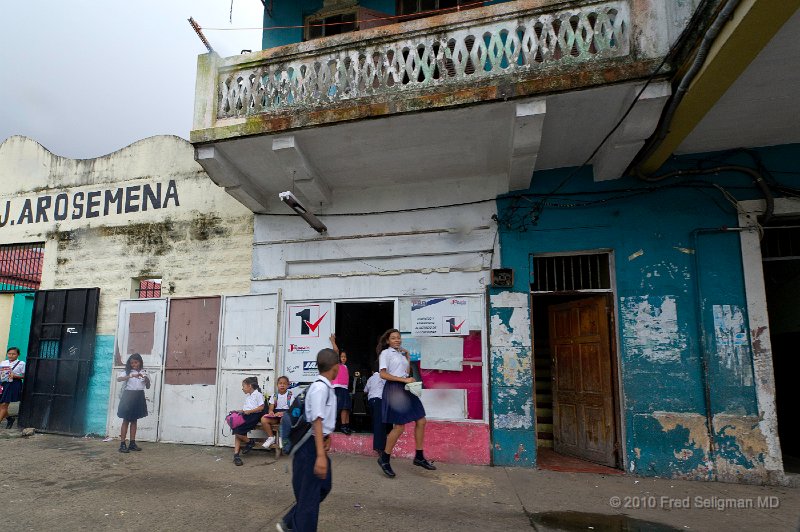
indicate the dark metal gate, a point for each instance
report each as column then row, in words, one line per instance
column 60, row 356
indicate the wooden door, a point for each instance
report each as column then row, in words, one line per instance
column 583, row 402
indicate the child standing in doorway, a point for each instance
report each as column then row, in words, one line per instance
column 278, row 404
column 12, row 372
column 311, row 467
column 251, row 410
column 132, row 405
column 341, row 385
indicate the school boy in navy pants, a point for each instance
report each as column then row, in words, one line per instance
column 311, row 467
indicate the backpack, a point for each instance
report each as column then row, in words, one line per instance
column 295, row 428
column 275, row 395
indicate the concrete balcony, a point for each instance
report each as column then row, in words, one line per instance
column 494, row 93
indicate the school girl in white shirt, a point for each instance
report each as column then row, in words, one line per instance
column 399, row 405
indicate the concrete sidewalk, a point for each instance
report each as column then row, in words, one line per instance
column 63, row 483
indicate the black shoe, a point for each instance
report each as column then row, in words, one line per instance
column 386, row 467
column 346, row 431
column 9, row 422
column 134, row 447
column 123, row 448
column 237, row 460
column 423, row 462
column 248, row 446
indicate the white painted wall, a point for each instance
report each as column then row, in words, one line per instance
column 446, row 250
column 199, row 247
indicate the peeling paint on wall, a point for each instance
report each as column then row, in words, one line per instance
column 510, row 321
column 650, row 328
column 521, row 419
column 742, row 449
column 733, row 351
column 694, row 423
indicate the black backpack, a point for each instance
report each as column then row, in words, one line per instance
column 295, row 428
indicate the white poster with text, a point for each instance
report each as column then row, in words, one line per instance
column 440, row 317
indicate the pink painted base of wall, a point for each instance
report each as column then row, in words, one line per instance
column 445, row 441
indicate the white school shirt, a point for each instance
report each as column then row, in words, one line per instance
column 133, row 383
column 5, row 369
column 281, row 401
column 374, row 386
column 321, row 403
column 253, row 400
column 394, row 362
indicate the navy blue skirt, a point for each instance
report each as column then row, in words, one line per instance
column 132, row 406
column 250, row 422
column 343, row 399
column 12, row 391
column 399, row 405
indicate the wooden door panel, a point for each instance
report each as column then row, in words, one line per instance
column 583, row 411
column 595, row 423
column 566, row 370
column 591, row 370
column 588, row 321
column 568, row 424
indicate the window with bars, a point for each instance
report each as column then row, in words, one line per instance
column 148, row 288
column 781, row 243
column 21, row 266
column 571, row 273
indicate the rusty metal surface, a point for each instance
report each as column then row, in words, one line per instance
column 192, row 338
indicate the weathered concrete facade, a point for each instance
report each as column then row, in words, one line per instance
column 696, row 390
column 148, row 210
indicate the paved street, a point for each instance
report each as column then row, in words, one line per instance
column 60, row 483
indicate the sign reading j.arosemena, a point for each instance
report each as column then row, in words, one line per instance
column 81, row 205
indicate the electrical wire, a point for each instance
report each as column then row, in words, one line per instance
column 670, row 53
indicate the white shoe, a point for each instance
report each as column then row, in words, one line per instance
column 268, row 443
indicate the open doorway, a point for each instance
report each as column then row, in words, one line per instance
column 577, row 413
column 359, row 325
column 780, row 249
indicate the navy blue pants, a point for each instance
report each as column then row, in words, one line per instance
column 309, row 490
column 379, row 428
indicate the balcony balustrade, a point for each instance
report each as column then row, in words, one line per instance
column 496, row 52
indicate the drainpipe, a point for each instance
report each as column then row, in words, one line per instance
column 683, row 86
column 704, row 352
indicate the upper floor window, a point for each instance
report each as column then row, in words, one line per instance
column 325, row 26
column 411, row 7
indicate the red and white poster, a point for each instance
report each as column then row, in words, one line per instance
column 308, row 329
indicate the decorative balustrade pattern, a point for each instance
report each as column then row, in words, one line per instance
column 500, row 47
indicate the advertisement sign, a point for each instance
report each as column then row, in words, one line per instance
column 439, row 317
column 308, row 329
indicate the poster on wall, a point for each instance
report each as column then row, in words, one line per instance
column 440, row 317
column 308, row 329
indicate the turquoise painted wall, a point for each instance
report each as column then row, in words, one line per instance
column 293, row 14
column 99, row 385
column 658, row 264
column 21, row 316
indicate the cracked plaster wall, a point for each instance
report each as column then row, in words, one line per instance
column 663, row 327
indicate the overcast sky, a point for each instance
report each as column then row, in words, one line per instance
column 87, row 77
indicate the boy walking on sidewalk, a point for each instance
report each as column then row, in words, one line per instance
column 311, row 467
